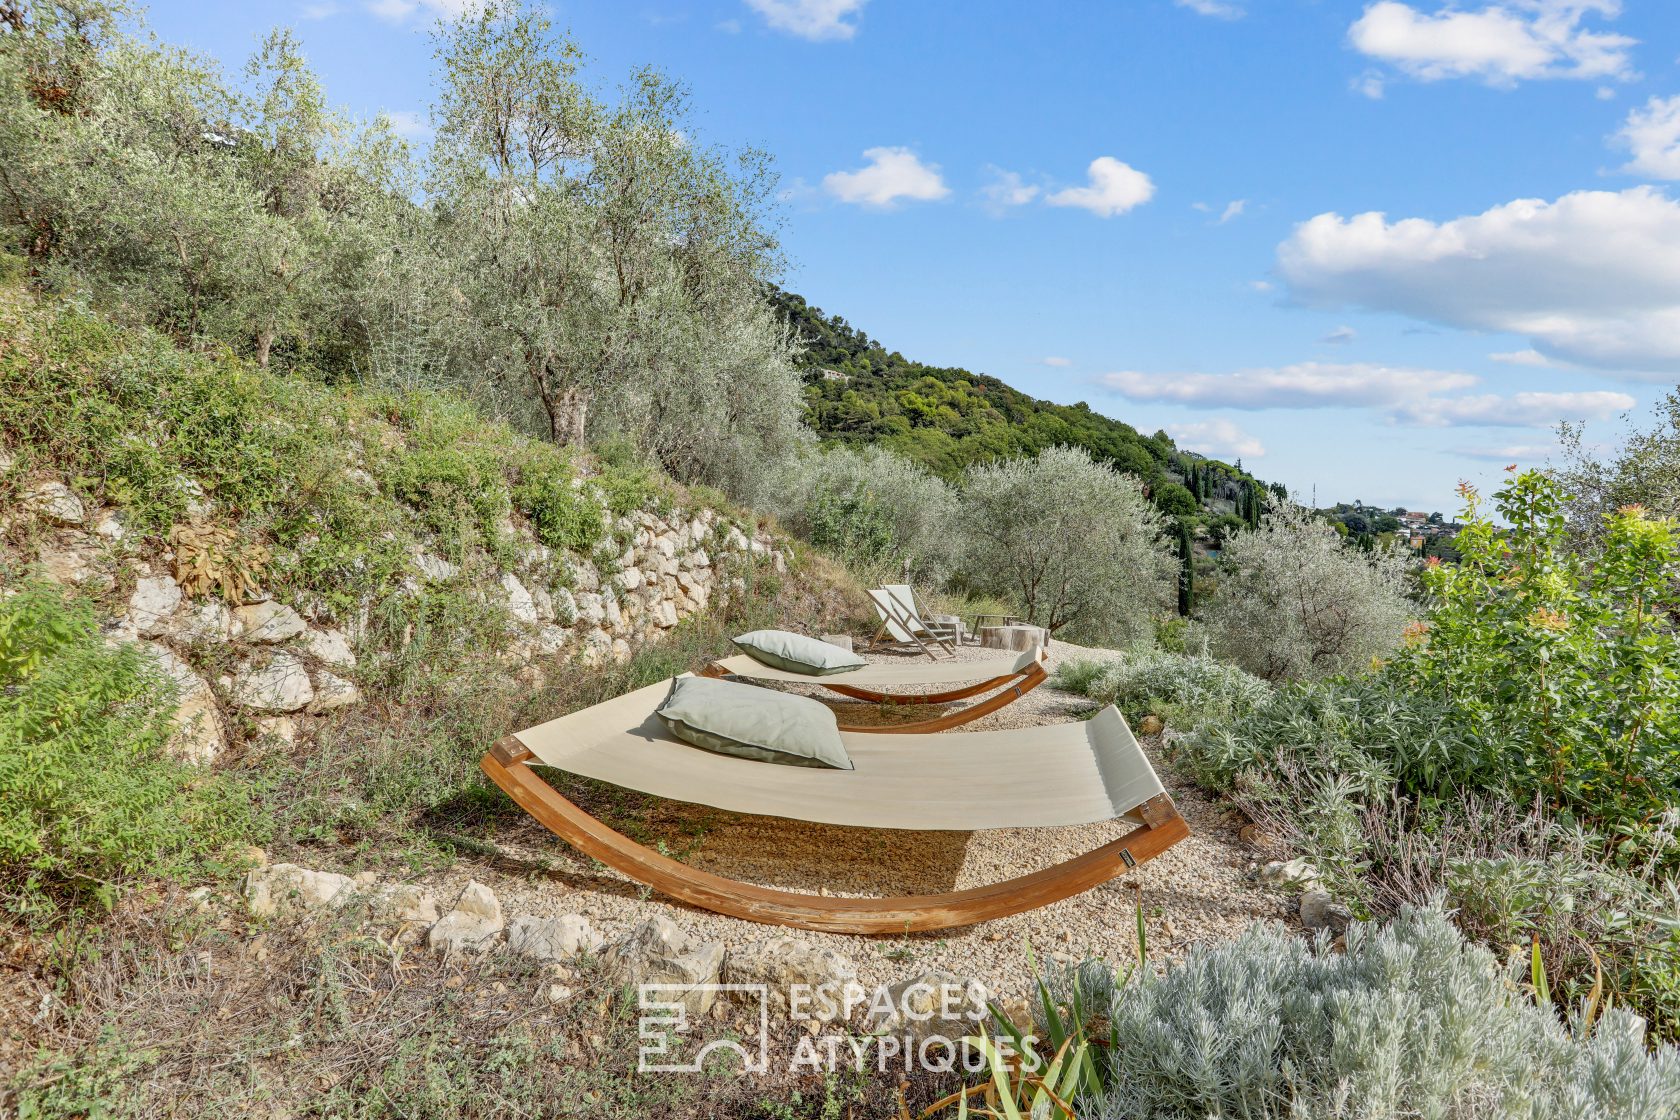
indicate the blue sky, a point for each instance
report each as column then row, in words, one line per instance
column 1370, row 248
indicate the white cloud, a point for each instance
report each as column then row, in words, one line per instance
column 1513, row 453
column 1005, row 191
column 1653, row 135
column 1369, row 84
column 1519, row 410
column 1115, row 188
column 410, row 124
column 1261, row 285
column 729, row 26
column 891, row 174
column 1341, row 336
column 324, row 10
column 1218, row 9
column 1401, row 394
column 1233, row 209
column 1057, row 363
column 1219, row 438
column 1593, row 277
column 396, row 11
column 816, row 20
column 1521, row 358
column 1500, row 44
column 1605, row 93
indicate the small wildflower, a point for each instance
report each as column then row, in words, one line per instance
column 1635, row 510
column 1416, row 633
column 1432, row 562
column 1547, row 619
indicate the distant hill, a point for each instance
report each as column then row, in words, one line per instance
column 856, row 391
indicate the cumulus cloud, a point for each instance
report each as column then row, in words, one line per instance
column 816, row 20
column 1218, row 9
column 1500, row 44
column 1219, row 438
column 1592, row 278
column 1056, row 363
column 890, row 175
column 1652, row 134
column 1005, row 191
column 1401, row 394
column 1114, row 188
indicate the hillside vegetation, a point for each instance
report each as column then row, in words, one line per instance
column 948, row 419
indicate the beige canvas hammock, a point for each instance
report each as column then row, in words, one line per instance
column 1013, row 677
column 1067, row 774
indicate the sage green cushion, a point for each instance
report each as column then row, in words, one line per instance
column 795, row 653
column 746, row 721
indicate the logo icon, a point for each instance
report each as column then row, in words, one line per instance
column 666, row 1018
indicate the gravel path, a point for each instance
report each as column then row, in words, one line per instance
column 1198, row 891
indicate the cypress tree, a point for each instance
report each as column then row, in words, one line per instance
column 1186, row 570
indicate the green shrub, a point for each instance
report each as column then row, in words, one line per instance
column 88, row 799
column 1565, row 668
column 1409, row 1021
column 562, row 515
column 1182, row 690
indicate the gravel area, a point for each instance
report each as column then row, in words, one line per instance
column 1198, row 891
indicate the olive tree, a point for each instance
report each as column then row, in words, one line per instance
column 1075, row 542
column 1295, row 602
column 876, row 510
column 599, row 264
column 1642, row 470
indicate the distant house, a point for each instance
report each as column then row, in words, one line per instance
column 835, row 375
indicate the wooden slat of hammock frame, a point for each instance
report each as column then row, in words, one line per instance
column 508, row 765
column 1025, row 681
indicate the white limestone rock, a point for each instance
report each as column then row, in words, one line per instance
column 278, row 685
column 658, row 952
column 56, row 502
column 267, row 623
column 519, row 602
column 472, row 926
column 154, row 600
column 330, row 647
column 333, row 692
column 551, row 939
column 284, row 886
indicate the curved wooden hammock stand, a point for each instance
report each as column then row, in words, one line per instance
column 508, row 765
column 1026, row 680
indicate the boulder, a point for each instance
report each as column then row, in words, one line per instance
column 551, row 939
column 621, row 651
column 278, row 685
column 472, row 926
column 934, row 1004
column 267, row 623
column 56, row 502
column 209, row 621
column 1320, row 911
column 519, row 602
column 65, row 565
column 155, row 599
column 401, row 902
column 783, row 962
column 630, row 579
column 333, row 692
column 565, row 607
column 665, row 614
column 1293, row 873
column 590, row 608
column 281, row 886
column 657, row 952
column 544, row 603
column 330, row 647
column 551, row 639
column 432, row 566
column 198, row 732
column 280, row 729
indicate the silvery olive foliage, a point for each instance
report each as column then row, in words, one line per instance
column 1073, row 541
column 1296, row 603
column 876, row 510
column 1184, row 689
column 1410, row 1021
column 578, row 260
